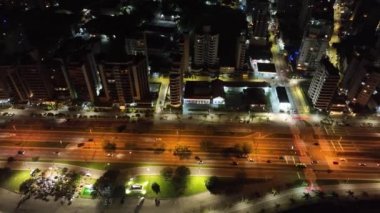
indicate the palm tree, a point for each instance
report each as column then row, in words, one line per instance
column 306, row 195
column 321, row 194
column 335, row 195
column 365, row 194
column 350, row 193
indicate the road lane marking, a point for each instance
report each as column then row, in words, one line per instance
column 298, row 174
column 341, row 147
column 332, row 143
column 294, row 161
column 286, row 159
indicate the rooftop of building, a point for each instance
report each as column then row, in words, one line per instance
column 282, row 95
column 215, row 88
column 160, row 27
column 333, row 71
column 204, row 89
column 323, row 10
column 260, row 52
column 339, row 98
column 373, row 69
column 120, row 59
column 318, row 29
column 266, row 67
column 197, row 89
column 205, row 29
column 255, row 96
column 246, row 84
column 174, row 75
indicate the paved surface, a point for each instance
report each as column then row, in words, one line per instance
column 196, row 203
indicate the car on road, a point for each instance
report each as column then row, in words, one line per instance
column 362, row 164
column 314, row 162
column 200, row 161
column 21, row 152
column 242, row 156
column 301, row 165
column 235, row 163
column 335, row 162
column 250, row 159
column 109, row 154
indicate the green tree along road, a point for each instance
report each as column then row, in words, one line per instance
column 179, row 179
column 156, row 187
column 167, row 172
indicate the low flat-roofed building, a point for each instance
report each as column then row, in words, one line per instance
column 204, row 92
column 260, row 53
column 338, row 104
column 265, row 70
column 255, row 99
column 283, row 99
column 246, row 84
column 197, row 92
column 217, row 92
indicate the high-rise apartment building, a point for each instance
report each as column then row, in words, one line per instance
column 125, row 80
column 176, row 89
column 81, row 81
column 206, row 48
column 368, row 85
column 55, row 69
column 364, row 17
column 354, row 73
column 29, row 81
column 258, row 31
column 314, row 44
column 184, row 50
column 324, row 84
column 136, row 44
column 361, row 76
column 315, row 9
column 5, row 94
column 241, row 49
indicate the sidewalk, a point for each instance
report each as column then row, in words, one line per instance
column 195, row 203
column 269, row 202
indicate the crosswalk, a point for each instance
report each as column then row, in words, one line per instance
column 350, row 131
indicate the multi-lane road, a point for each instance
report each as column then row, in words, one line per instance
column 275, row 148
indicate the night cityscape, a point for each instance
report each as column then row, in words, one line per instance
column 183, row 106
